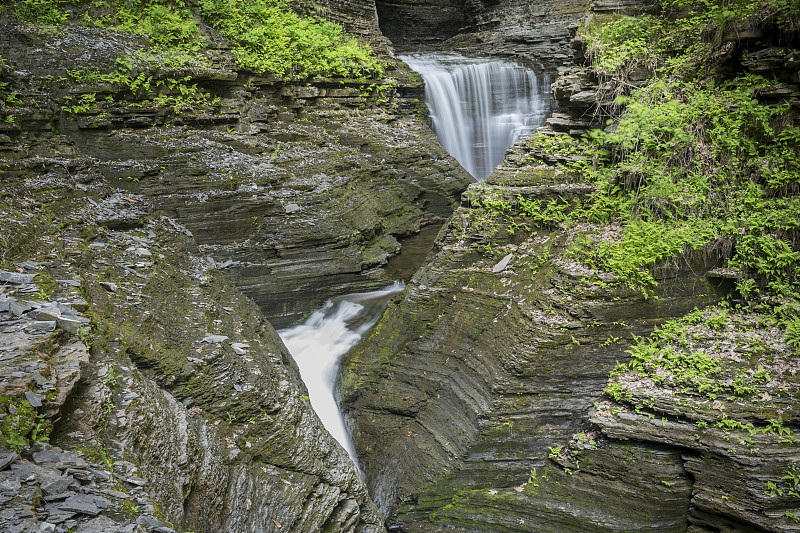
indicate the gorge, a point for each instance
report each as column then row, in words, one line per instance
column 601, row 335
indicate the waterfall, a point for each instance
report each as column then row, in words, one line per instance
column 480, row 107
column 319, row 343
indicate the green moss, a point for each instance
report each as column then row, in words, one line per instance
column 24, row 426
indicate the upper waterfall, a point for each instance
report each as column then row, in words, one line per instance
column 480, row 107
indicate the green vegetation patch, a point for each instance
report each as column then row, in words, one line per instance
column 276, row 37
column 271, row 37
column 697, row 159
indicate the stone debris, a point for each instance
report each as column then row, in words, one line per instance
column 499, row 267
column 214, row 339
column 92, row 503
column 240, row 348
column 16, row 278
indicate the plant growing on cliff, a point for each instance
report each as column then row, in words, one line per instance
column 41, row 11
column 22, row 426
column 270, row 37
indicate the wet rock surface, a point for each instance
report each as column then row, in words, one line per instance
column 129, row 229
column 488, row 362
column 288, row 188
column 186, row 413
column 487, row 387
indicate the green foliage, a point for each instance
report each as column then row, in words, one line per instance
column 272, row 38
column 269, row 36
column 692, row 164
column 792, row 335
column 678, row 40
column 41, row 11
column 83, row 104
column 22, row 426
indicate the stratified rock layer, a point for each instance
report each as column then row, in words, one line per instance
column 291, row 189
column 134, row 219
column 483, row 388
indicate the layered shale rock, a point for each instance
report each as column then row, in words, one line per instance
column 137, row 196
column 290, row 188
column 186, row 394
column 538, row 31
column 494, row 357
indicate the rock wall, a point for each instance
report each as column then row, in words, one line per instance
column 487, row 386
column 290, row 189
column 158, row 210
column 501, row 356
column 536, row 31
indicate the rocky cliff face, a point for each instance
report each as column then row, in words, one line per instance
column 140, row 201
column 487, row 386
column 290, row 189
column 502, row 357
column 536, row 31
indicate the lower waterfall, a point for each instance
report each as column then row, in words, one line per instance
column 318, row 343
column 480, row 107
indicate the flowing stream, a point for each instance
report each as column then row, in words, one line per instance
column 480, row 107
column 319, row 343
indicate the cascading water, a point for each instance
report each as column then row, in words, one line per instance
column 319, row 343
column 480, row 107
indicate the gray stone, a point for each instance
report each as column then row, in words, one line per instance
column 16, row 278
column 109, row 286
column 101, row 475
column 80, row 503
column 291, row 208
column 101, row 524
column 18, row 308
column 43, row 326
column 57, row 516
column 6, row 458
column 70, row 324
column 135, row 480
column 116, row 494
column 149, row 521
column 48, row 315
column 215, row 338
column 58, row 485
column 499, row 267
column 82, row 474
column 84, row 503
column 60, row 496
column 5, row 304
column 240, row 348
column 11, row 485
column 47, row 527
column 34, row 399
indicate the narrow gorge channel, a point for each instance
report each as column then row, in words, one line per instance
column 478, row 108
column 406, row 266
column 322, row 339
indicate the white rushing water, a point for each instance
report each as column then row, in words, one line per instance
column 480, row 107
column 318, row 344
